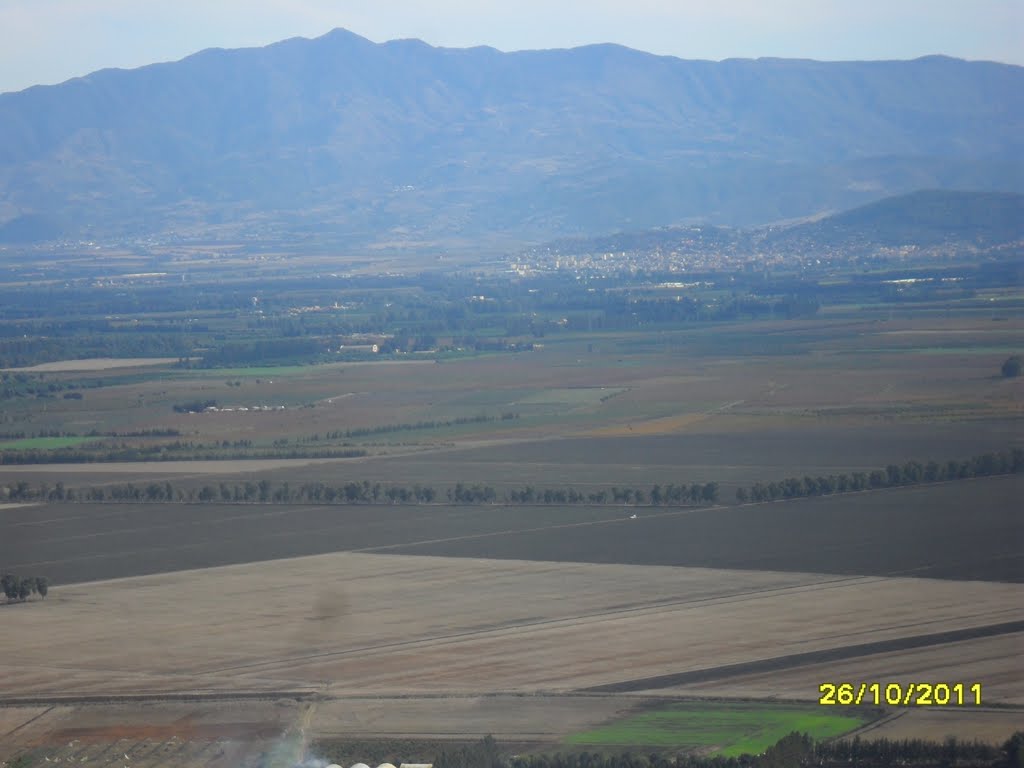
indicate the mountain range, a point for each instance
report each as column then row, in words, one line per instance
column 343, row 141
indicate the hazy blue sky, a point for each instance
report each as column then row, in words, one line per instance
column 48, row 41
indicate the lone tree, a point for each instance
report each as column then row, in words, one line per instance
column 1013, row 367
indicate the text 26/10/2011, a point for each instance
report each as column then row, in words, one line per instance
column 900, row 694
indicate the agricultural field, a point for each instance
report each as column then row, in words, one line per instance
column 183, row 633
column 352, row 627
column 890, row 532
column 925, row 531
column 41, row 442
column 729, row 729
column 788, row 377
column 96, row 364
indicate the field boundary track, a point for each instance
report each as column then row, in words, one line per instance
column 790, row 661
column 146, row 698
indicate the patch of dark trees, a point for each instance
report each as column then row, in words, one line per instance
column 795, row 750
column 26, row 385
column 46, row 386
column 20, row 589
column 892, row 476
column 291, row 347
column 33, row 349
column 1012, row 367
column 194, row 406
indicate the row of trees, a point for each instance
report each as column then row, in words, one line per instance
column 157, row 432
column 793, row 751
column 363, row 492
column 23, row 588
column 910, row 473
column 658, row 495
column 179, row 450
column 406, row 427
column 886, row 752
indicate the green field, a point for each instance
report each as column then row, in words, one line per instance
column 43, row 443
column 729, row 729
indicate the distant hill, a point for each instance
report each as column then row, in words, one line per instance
column 927, row 217
column 922, row 218
column 342, row 140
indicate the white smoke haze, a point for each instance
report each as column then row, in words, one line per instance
column 313, row 762
column 292, row 749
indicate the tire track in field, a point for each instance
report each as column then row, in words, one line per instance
column 534, row 529
column 280, row 665
column 517, row 627
column 68, row 700
column 790, row 661
column 282, row 511
column 272, row 668
column 28, row 722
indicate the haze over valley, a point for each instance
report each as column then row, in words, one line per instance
column 381, row 403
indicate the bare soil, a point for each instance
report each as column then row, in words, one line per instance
column 968, row 529
column 97, row 364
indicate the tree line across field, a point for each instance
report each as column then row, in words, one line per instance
column 671, row 494
column 408, row 427
column 106, row 448
column 793, row 751
column 364, row 492
column 100, row 451
column 910, row 473
column 22, row 588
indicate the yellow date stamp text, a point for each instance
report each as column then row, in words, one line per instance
column 900, row 694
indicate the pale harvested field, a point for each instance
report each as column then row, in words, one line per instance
column 431, row 647
column 992, row 726
column 360, row 623
column 995, row 662
column 96, row 364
